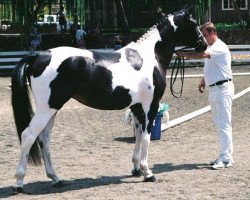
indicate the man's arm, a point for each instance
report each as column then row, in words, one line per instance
column 202, row 55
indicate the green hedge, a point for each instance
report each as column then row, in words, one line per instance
column 232, row 26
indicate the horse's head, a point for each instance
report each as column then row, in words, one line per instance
column 181, row 26
column 187, row 30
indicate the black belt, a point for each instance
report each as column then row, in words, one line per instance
column 220, row 82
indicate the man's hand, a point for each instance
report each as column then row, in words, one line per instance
column 202, row 85
column 180, row 54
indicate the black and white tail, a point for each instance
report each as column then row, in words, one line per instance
column 22, row 109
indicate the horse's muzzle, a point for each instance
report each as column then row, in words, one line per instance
column 201, row 44
column 201, row 48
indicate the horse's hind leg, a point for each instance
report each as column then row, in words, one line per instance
column 28, row 137
column 44, row 141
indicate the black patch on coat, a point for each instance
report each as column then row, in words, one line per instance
column 166, row 30
column 111, row 57
column 41, row 144
column 138, row 112
column 134, row 58
column 66, row 82
column 160, row 85
column 89, row 83
column 42, row 61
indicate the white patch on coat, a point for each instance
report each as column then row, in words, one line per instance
column 140, row 83
column 171, row 19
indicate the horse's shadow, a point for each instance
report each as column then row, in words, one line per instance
column 45, row 187
column 129, row 140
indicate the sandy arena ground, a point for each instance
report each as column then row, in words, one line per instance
column 92, row 151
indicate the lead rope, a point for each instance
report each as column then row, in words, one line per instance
column 179, row 64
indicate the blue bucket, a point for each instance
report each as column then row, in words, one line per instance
column 156, row 127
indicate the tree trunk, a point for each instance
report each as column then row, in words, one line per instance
column 236, row 6
column 13, row 5
column 248, row 16
column 61, row 4
column 123, row 20
column 39, row 7
column 49, row 5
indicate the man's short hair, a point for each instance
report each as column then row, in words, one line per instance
column 209, row 26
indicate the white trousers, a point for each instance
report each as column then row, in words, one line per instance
column 220, row 99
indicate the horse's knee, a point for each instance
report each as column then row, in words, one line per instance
column 135, row 159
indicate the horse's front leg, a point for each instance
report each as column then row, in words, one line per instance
column 145, row 141
column 137, row 151
column 140, row 156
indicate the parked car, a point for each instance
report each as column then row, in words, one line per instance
column 51, row 19
column 5, row 24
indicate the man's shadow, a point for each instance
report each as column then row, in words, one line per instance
column 169, row 167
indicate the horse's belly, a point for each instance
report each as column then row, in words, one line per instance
column 115, row 100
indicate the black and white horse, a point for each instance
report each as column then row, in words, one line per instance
column 134, row 76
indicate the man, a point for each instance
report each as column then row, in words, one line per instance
column 62, row 19
column 218, row 79
column 80, row 36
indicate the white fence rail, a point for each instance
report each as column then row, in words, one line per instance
column 9, row 59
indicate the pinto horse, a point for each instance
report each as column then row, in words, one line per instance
column 134, row 76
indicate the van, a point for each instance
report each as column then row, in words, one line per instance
column 51, row 19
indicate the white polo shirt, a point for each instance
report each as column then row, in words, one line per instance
column 218, row 67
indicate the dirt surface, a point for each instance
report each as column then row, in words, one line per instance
column 92, row 151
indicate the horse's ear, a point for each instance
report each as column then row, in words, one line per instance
column 189, row 8
column 160, row 12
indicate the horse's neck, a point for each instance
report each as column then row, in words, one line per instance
column 148, row 40
column 145, row 45
column 153, row 48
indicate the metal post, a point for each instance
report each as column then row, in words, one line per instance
column 209, row 10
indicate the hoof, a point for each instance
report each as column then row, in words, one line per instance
column 17, row 190
column 58, row 184
column 150, row 179
column 137, row 172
